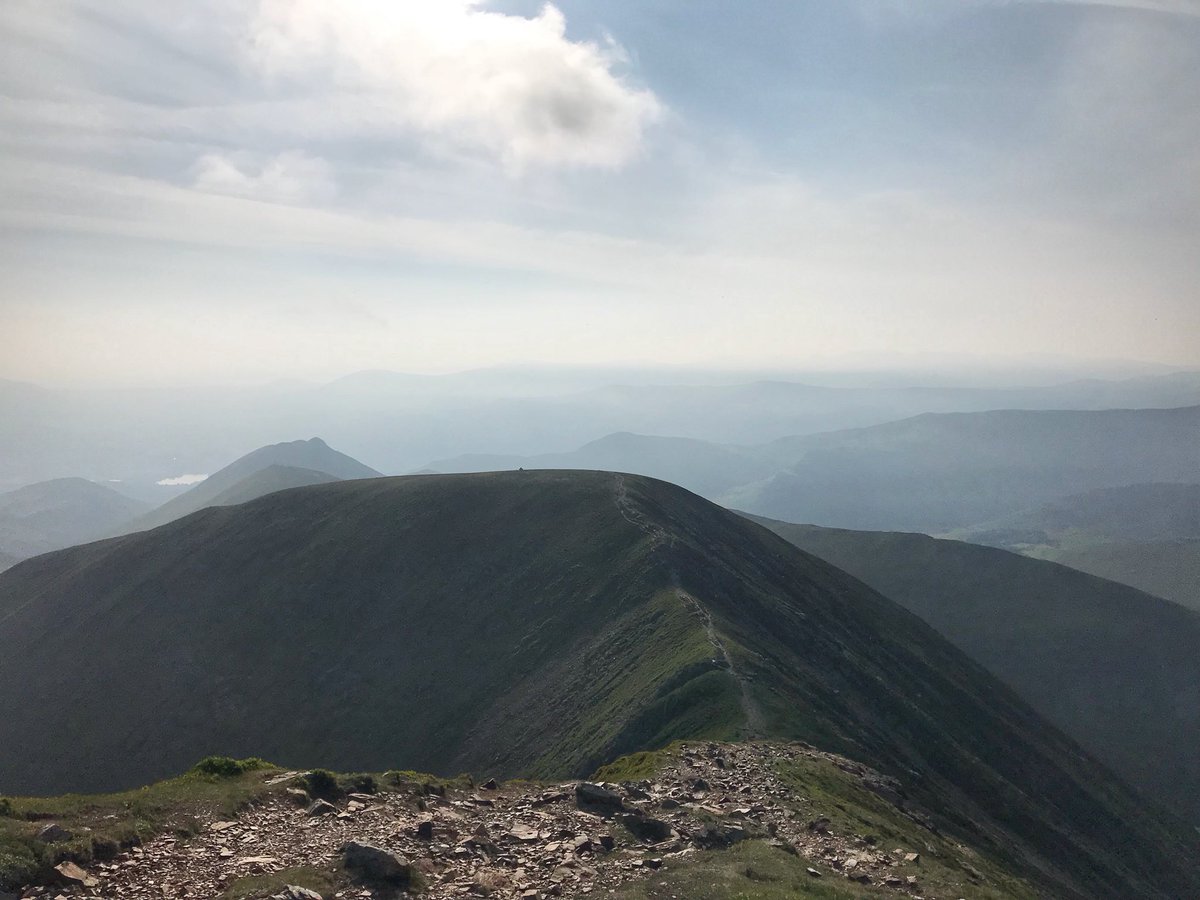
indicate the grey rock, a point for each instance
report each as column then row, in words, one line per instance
column 53, row 834
column 373, row 863
column 295, row 892
column 321, row 808
column 594, row 798
column 647, row 829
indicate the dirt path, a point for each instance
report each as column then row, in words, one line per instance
column 755, row 720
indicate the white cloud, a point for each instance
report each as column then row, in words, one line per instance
column 181, row 480
column 462, row 76
column 291, row 177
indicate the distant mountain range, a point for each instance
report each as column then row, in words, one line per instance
column 397, row 422
column 930, row 473
column 533, row 623
column 59, row 513
column 1117, row 669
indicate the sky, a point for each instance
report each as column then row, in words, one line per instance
column 247, row 190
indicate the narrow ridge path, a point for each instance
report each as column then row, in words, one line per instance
column 755, row 720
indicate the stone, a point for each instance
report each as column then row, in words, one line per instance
column 295, row 892
column 53, row 834
column 321, row 808
column 647, row 829
column 819, row 825
column 70, row 874
column 371, row 863
column 425, row 830
column 813, row 872
column 914, row 858
column 594, row 798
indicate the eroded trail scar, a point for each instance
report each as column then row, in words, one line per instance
column 755, row 721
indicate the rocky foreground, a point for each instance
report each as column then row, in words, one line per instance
column 513, row 840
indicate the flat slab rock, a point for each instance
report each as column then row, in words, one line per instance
column 527, row 842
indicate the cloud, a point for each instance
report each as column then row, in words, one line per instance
column 461, row 76
column 181, row 480
column 291, row 177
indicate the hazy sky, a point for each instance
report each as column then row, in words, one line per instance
column 234, row 189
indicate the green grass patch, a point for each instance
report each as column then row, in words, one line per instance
column 104, row 824
column 228, row 767
column 820, row 789
column 633, row 767
column 753, row 870
column 255, row 887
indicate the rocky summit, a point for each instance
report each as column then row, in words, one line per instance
column 822, row 816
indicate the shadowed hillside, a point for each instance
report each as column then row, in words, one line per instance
column 1117, row 669
column 537, row 623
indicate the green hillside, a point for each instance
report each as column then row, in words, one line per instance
column 532, row 623
column 1117, row 669
column 1169, row 569
column 1143, row 535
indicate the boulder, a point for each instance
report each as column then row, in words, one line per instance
column 70, row 874
column 295, row 892
column 53, row 834
column 647, row 829
column 595, row 798
column 321, row 808
column 371, row 863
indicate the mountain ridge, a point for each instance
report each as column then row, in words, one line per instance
column 532, row 623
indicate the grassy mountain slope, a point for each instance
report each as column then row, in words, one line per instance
column 1117, row 669
column 54, row 514
column 313, row 455
column 1170, row 569
column 1143, row 535
column 529, row 623
column 934, row 473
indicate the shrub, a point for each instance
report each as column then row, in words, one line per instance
column 6, row 809
column 323, row 784
column 227, row 767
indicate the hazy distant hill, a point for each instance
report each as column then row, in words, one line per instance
column 1170, row 569
column 267, row 469
column 535, row 623
column 1144, row 535
column 267, row 481
column 1134, row 512
column 934, row 473
column 1117, row 669
column 54, row 514
column 399, row 422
